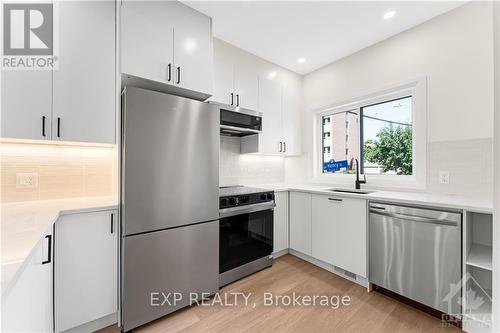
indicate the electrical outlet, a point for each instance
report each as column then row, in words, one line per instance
column 27, row 180
column 444, row 177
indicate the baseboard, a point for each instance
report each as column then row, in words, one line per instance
column 94, row 325
column 362, row 281
column 280, row 253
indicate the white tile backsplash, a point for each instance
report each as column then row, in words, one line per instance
column 247, row 169
column 469, row 162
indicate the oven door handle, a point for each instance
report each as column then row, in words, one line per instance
column 226, row 212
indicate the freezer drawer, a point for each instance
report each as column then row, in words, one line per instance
column 181, row 260
column 416, row 253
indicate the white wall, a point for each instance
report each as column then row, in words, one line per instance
column 247, row 168
column 455, row 52
column 496, row 217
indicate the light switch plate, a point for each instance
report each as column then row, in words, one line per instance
column 27, row 180
column 444, row 177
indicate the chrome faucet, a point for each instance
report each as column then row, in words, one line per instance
column 358, row 182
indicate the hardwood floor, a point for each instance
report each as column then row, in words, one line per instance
column 367, row 312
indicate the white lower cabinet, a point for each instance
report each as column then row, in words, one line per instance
column 339, row 232
column 280, row 232
column 324, row 212
column 27, row 302
column 86, row 268
column 300, row 222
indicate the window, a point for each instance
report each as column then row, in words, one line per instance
column 381, row 140
column 387, row 137
column 385, row 130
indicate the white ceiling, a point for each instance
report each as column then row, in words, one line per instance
column 319, row 31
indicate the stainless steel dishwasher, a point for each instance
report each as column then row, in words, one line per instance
column 417, row 253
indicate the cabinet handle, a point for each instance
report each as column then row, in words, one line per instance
column 281, row 147
column 43, row 125
column 284, row 147
column 49, row 257
column 58, row 127
column 335, row 199
column 232, row 98
column 178, row 74
column 112, row 222
column 169, row 69
column 237, row 99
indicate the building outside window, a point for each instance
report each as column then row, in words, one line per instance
column 344, row 140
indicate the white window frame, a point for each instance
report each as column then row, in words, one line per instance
column 417, row 88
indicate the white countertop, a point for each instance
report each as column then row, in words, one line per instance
column 415, row 198
column 24, row 223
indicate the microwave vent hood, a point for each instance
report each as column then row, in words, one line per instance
column 240, row 122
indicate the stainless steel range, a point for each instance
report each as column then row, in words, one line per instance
column 245, row 231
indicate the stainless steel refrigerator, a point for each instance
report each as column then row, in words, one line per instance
column 169, row 215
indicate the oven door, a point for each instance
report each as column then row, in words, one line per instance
column 245, row 236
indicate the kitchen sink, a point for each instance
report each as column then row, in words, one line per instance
column 349, row 190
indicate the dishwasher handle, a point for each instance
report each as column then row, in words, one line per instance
column 414, row 218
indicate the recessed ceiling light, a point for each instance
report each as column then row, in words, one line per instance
column 389, row 14
column 301, row 60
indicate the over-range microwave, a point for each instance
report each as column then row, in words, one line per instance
column 236, row 121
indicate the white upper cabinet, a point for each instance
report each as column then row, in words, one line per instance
column 26, row 104
column 84, row 85
column 270, row 140
column 292, row 138
column 86, row 268
column 235, row 86
column 76, row 101
column 246, row 89
column 281, row 134
column 167, row 42
column 223, row 81
column 193, row 50
column 147, row 39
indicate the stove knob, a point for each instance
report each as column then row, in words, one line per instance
column 262, row 196
column 232, row 201
column 223, row 202
column 269, row 196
